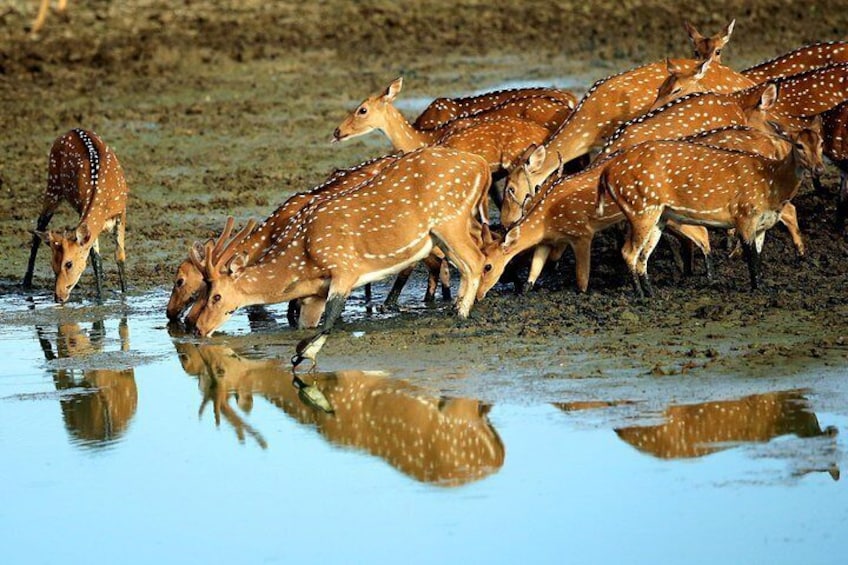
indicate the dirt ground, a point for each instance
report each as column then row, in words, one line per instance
column 225, row 107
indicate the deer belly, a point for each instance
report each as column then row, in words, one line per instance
column 712, row 218
column 394, row 264
column 767, row 220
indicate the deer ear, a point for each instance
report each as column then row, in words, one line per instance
column 45, row 236
column 702, row 69
column 510, row 238
column 816, row 126
column 728, row 30
column 83, row 233
column 237, row 265
column 694, row 34
column 196, row 255
column 393, row 90
column 537, row 158
column 486, row 235
column 768, row 97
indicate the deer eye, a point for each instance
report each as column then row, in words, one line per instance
column 69, row 264
column 230, row 313
column 216, row 298
column 718, row 51
column 362, row 111
column 487, row 268
column 180, row 282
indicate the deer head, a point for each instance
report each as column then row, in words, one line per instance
column 522, row 183
column 806, row 146
column 370, row 114
column 709, row 47
column 681, row 81
column 70, row 256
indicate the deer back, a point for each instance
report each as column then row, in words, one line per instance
column 800, row 60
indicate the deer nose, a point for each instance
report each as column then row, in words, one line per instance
column 337, row 134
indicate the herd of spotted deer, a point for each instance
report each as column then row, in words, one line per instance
column 686, row 143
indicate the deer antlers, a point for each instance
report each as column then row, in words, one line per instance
column 211, row 256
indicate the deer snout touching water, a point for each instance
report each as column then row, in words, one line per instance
column 86, row 173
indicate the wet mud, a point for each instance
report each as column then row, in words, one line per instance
column 219, row 108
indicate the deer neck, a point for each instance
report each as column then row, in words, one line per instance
column 531, row 230
column 400, row 132
column 274, row 279
column 786, row 174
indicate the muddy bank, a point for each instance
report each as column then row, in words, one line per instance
column 225, row 108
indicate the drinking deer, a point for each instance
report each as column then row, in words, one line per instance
column 362, row 235
column 702, row 185
column 84, row 171
column 608, row 104
column 564, row 214
column 546, row 106
column 188, row 282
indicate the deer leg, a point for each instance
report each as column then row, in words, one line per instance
column 391, row 302
column 42, row 15
column 752, row 257
column 582, row 261
column 645, row 254
column 444, row 278
column 293, row 313
column 467, row 257
column 789, row 218
column 842, row 201
column 695, row 236
column 540, row 257
column 120, row 254
column 435, row 266
column 97, row 265
column 41, row 225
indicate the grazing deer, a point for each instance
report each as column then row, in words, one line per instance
column 84, row 171
column 38, row 23
column 695, row 430
column 433, row 439
column 564, row 214
column 188, row 282
column 708, row 47
column 548, row 107
column 362, row 235
column 702, row 185
column 608, row 104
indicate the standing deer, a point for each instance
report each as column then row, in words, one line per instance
column 702, row 185
column 362, row 235
column 546, row 106
column 564, row 214
column 608, row 104
column 84, row 171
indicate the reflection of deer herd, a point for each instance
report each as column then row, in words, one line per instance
column 688, row 144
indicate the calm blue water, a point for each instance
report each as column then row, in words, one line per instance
column 112, row 453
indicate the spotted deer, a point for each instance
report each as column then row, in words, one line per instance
column 608, row 104
column 188, row 282
column 708, row 47
column 695, row 430
column 564, row 214
column 433, row 439
column 378, row 228
column 38, row 23
column 546, row 106
column 499, row 139
column 799, row 60
column 703, row 185
column 85, row 172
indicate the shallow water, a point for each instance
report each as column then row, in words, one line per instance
column 127, row 441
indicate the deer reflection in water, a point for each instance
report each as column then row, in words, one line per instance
column 98, row 404
column 695, row 430
column 445, row 441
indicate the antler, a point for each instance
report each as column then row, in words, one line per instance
column 221, row 253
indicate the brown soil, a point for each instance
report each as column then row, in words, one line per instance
column 225, row 107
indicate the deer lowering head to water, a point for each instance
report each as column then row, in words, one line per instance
column 188, row 282
column 85, row 172
column 702, row 185
column 376, row 229
column 564, row 214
